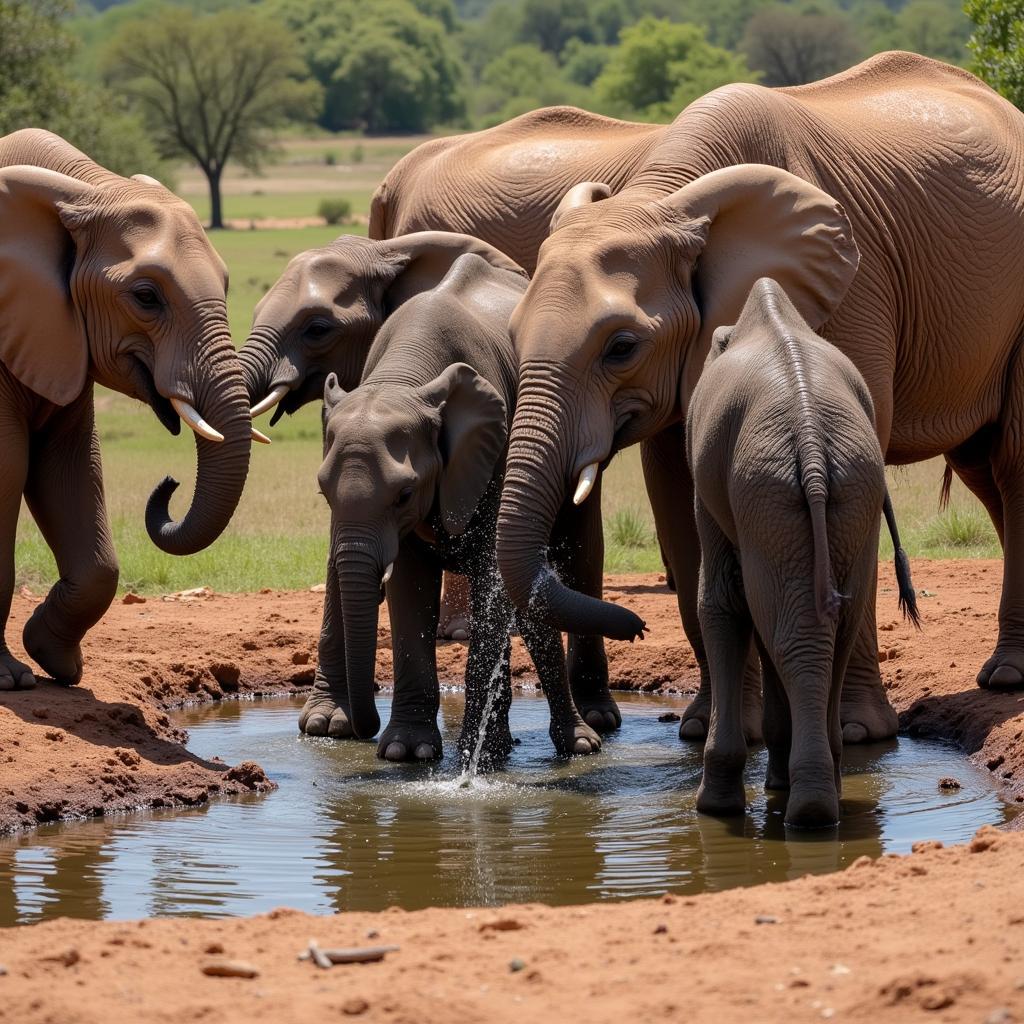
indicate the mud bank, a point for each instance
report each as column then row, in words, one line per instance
column 107, row 745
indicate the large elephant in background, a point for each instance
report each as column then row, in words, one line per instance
column 501, row 186
column 928, row 163
column 110, row 280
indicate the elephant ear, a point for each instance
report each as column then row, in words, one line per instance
column 473, row 435
column 759, row 221
column 416, row 263
column 583, row 194
column 42, row 334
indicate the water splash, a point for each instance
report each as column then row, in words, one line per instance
column 469, row 774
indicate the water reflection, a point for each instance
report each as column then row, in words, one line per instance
column 347, row 832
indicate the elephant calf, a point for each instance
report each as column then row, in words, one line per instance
column 789, row 483
column 413, row 466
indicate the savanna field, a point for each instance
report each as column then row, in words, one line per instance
column 193, row 832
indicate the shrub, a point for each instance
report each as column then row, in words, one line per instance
column 330, row 158
column 358, row 154
column 961, row 528
column 335, row 211
column 628, row 529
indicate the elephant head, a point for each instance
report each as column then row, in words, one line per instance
column 323, row 313
column 119, row 284
column 391, row 456
column 613, row 331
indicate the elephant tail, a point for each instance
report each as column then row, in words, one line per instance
column 908, row 596
column 814, row 481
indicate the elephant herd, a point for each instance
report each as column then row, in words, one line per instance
column 775, row 295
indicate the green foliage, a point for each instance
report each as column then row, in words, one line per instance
column 583, row 62
column 960, row 528
column 335, row 211
column 997, row 45
column 660, row 67
column 213, row 87
column 36, row 91
column 385, row 65
column 628, row 529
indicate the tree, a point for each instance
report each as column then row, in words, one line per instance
column 791, row 48
column 36, row 92
column 659, row 67
column 213, row 87
column 385, row 65
column 997, row 45
column 523, row 78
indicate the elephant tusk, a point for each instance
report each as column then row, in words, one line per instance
column 586, row 484
column 195, row 421
column 257, row 436
column 387, row 573
column 268, row 403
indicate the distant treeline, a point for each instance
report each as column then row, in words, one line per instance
column 422, row 65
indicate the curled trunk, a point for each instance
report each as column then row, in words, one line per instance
column 540, row 460
column 219, row 394
column 258, row 358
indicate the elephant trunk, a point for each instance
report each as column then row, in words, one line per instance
column 359, row 579
column 540, row 461
column 218, row 393
column 259, row 358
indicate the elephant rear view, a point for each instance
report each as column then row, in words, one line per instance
column 789, row 482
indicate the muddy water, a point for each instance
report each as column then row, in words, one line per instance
column 348, row 832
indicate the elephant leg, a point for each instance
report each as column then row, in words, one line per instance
column 727, row 631
column 14, row 674
column 454, row 619
column 326, row 711
column 569, row 733
column 670, row 489
column 865, row 711
column 972, row 464
column 581, row 545
column 1005, row 669
column 414, row 606
column 778, row 725
column 64, row 492
column 488, row 673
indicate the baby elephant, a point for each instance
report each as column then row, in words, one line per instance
column 789, row 483
column 413, row 466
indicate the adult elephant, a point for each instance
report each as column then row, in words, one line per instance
column 501, row 186
column 928, row 164
column 110, row 280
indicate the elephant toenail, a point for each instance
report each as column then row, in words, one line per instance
column 1005, row 677
column 460, row 634
column 854, row 732
column 316, row 725
column 425, row 752
column 395, row 752
column 692, row 729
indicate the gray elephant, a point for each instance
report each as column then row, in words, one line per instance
column 789, row 481
column 110, row 280
column 413, row 465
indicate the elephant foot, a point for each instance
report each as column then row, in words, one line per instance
column 720, row 800
column 14, row 675
column 867, row 717
column 497, row 747
column 693, row 728
column 60, row 660
column 776, row 779
column 323, row 714
column 812, row 809
column 410, row 741
column 599, row 711
column 1004, row 670
column 453, row 623
column 574, row 738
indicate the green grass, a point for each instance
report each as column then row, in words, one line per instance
column 258, row 205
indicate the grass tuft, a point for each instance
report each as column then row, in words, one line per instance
column 960, row 528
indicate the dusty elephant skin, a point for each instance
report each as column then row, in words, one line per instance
column 111, row 280
column 790, row 485
column 923, row 161
column 413, row 461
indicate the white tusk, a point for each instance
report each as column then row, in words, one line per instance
column 257, row 436
column 387, row 573
column 586, row 484
column 268, row 403
column 195, row 421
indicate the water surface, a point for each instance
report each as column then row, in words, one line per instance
column 348, row 832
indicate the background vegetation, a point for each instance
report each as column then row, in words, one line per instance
column 347, row 87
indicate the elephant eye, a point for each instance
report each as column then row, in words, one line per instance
column 404, row 496
column 317, row 329
column 620, row 348
column 146, row 296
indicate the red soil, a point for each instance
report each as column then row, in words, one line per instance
column 936, row 936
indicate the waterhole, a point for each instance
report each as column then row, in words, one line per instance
column 348, row 832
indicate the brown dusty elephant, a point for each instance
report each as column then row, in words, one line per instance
column 789, row 483
column 413, row 460
column 928, row 164
column 110, row 280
